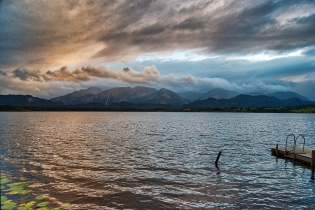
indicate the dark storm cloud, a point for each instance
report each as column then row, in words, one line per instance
column 149, row 74
column 2, row 73
column 43, row 32
column 126, row 69
column 236, row 27
column 26, row 74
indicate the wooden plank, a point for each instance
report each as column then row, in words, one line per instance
column 313, row 159
column 306, row 155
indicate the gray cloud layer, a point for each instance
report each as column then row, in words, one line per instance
column 149, row 74
column 43, row 32
column 61, row 81
column 2, row 73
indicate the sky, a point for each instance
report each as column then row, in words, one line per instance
column 50, row 48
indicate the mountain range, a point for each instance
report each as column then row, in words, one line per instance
column 141, row 94
column 123, row 97
column 27, row 100
column 75, row 97
column 137, row 94
column 219, row 94
column 287, row 95
column 248, row 101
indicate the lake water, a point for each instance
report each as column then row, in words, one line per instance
column 131, row 160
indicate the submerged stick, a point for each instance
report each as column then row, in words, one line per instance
column 218, row 157
column 313, row 160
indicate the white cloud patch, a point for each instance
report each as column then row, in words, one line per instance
column 256, row 86
column 266, row 56
column 294, row 13
column 186, row 55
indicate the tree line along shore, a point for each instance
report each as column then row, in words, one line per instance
column 299, row 109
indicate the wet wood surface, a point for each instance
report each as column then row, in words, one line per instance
column 300, row 154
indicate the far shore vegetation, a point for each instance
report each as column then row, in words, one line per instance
column 300, row 109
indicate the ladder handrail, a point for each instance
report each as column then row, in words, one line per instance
column 296, row 141
column 286, row 141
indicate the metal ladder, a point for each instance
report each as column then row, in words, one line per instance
column 294, row 145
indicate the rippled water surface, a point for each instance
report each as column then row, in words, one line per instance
column 117, row 160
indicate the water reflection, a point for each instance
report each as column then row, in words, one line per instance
column 158, row 160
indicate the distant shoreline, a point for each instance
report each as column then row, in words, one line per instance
column 299, row 109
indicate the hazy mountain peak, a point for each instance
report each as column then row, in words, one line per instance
column 164, row 96
column 26, row 100
column 219, row 93
column 74, row 97
column 121, row 94
column 143, row 91
column 92, row 90
column 165, row 90
column 143, row 88
column 83, row 92
column 243, row 100
column 287, row 95
column 192, row 96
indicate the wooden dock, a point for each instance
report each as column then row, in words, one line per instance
column 302, row 154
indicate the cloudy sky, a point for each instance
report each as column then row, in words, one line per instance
column 49, row 48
